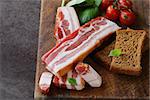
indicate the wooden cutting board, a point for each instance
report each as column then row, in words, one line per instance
column 114, row 86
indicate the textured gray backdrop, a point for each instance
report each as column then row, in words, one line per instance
column 19, row 25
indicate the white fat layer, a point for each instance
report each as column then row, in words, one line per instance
column 105, row 30
column 96, row 83
column 74, row 22
column 46, row 78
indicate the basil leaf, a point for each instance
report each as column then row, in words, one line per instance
column 98, row 2
column 87, row 14
column 115, row 52
column 80, row 3
column 72, row 81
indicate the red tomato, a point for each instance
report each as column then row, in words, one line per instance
column 105, row 4
column 127, row 17
column 112, row 13
column 125, row 4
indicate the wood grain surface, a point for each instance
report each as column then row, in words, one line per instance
column 114, row 86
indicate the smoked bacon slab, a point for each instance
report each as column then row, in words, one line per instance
column 77, row 45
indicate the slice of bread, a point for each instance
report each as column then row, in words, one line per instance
column 102, row 54
column 130, row 42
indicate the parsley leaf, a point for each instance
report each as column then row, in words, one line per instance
column 115, row 52
column 72, row 81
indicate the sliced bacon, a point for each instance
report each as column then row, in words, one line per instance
column 66, row 22
column 89, row 74
column 62, row 82
column 79, row 44
column 45, row 82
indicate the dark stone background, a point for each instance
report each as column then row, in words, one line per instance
column 19, row 25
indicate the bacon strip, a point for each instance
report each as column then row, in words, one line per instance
column 77, row 45
column 66, row 22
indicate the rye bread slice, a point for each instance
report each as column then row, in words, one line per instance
column 105, row 60
column 130, row 42
column 102, row 54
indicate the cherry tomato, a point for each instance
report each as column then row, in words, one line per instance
column 105, row 4
column 112, row 13
column 125, row 4
column 127, row 17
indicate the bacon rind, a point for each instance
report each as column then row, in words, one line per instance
column 60, row 71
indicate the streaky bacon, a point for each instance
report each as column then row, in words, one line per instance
column 66, row 22
column 89, row 74
column 62, row 82
column 77, row 45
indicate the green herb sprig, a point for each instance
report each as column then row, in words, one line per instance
column 115, row 52
column 72, row 81
column 86, row 9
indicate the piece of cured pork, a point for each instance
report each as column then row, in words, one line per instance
column 45, row 82
column 72, row 80
column 77, row 45
column 66, row 22
column 89, row 74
